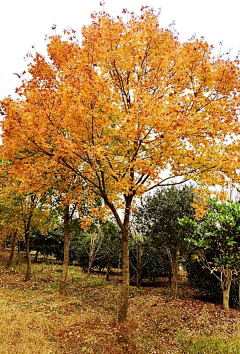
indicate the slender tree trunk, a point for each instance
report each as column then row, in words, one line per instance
column 124, row 296
column 119, row 262
column 170, row 274
column 226, row 287
column 29, row 270
column 175, row 258
column 63, row 282
column 90, row 260
column 11, row 256
column 139, row 264
column 36, row 257
column 4, row 244
column 238, row 291
column 108, row 266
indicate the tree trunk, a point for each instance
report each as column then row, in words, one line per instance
column 170, row 273
column 90, row 260
column 29, row 271
column 4, row 244
column 226, row 284
column 108, row 266
column 124, row 226
column 36, row 257
column 175, row 258
column 124, row 295
column 238, row 291
column 11, row 256
column 63, row 282
column 139, row 264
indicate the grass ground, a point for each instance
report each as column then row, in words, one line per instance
column 34, row 318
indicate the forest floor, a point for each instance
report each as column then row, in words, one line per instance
column 35, row 319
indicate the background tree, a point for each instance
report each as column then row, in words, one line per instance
column 218, row 235
column 120, row 108
column 20, row 212
column 158, row 217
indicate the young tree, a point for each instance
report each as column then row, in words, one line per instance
column 20, row 212
column 218, row 233
column 158, row 217
column 120, row 108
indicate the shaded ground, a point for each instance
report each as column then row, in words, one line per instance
column 85, row 322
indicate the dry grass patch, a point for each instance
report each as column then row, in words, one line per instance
column 22, row 332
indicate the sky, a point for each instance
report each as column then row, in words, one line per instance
column 25, row 23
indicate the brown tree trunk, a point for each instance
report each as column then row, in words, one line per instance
column 124, row 295
column 29, row 271
column 11, row 256
column 108, row 266
column 4, row 244
column 170, row 274
column 226, row 287
column 63, row 282
column 238, row 292
column 36, row 257
column 139, row 264
column 90, row 260
column 175, row 258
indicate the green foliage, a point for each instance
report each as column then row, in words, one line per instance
column 209, row 287
column 80, row 242
column 156, row 227
column 217, row 239
column 218, row 232
column 155, row 263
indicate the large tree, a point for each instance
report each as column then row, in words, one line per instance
column 127, row 103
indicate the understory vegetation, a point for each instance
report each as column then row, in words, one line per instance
column 35, row 318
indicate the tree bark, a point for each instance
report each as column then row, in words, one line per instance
column 124, row 295
column 124, row 226
column 36, row 257
column 11, row 256
column 226, row 284
column 139, row 264
column 108, row 266
column 175, row 258
column 238, row 291
column 4, row 244
column 28, row 258
column 170, row 273
column 63, row 282
column 90, row 260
